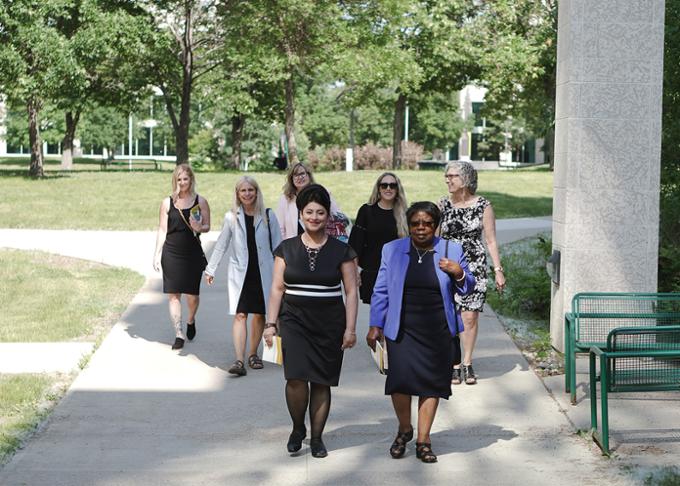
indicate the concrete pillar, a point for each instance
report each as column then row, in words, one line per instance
column 607, row 149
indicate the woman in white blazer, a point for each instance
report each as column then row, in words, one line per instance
column 249, row 235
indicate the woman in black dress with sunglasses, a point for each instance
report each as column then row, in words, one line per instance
column 380, row 221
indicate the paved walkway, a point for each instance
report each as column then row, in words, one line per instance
column 143, row 414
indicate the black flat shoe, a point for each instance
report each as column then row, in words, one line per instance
column 424, row 452
column 191, row 331
column 318, row 448
column 178, row 344
column 398, row 447
column 295, row 440
column 237, row 368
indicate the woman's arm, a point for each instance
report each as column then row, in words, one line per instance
column 357, row 237
column 349, row 281
column 281, row 213
column 223, row 242
column 379, row 303
column 161, row 233
column 275, row 297
column 489, row 221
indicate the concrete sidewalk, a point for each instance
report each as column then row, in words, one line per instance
column 140, row 413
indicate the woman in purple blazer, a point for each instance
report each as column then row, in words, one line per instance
column 413, row 307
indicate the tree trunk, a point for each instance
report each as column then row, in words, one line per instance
column 36, row 167
column 290, row 121
column 67, row 143
column 238, row 123
column 182, row 127
column 398, row 130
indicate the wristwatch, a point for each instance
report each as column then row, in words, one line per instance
column 497, row 269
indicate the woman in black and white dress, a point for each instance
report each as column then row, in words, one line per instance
column 315, row 325
column 466, row 219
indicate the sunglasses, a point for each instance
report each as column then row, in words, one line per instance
column 388, row 185
column 426, row 224
column 299, row 175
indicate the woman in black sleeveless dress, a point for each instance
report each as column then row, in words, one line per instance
column 316, row 325
column 380, row 221
column 183, row 217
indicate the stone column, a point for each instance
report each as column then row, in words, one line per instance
column 607, row 149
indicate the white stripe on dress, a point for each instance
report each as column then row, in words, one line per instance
column 337, row 293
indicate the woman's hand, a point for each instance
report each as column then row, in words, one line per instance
column 157, row 263
column 451, row 267
column 196, row 225
column 374, row 334
column 268, row 335
column 349, row 339
column 209, row 279
column 500, row 281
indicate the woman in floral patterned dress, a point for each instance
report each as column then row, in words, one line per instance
column 466, row 218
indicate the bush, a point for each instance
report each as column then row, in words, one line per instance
column 366, row 157
column 669, row 232
column 527, row 292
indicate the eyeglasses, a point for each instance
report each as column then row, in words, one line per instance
column 426, row 224
column 388, row 185
column 448, row 177
column 299, row 175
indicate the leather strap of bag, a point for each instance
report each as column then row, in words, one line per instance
column 185, row 220
column 269, row 229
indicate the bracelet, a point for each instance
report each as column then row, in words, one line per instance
column 267, row 325
column 461, row 278
column 497, row 269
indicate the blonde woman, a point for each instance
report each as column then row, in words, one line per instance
column 299, row 176
column 249, row 235
column 380, row 221
column 183, row 217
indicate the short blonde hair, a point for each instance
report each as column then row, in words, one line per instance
column 180, row 169
column 259, row 199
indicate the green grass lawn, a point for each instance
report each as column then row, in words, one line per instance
column 120, row 200
column 47, row 298
column 24, row 400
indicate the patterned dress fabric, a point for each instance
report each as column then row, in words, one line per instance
column 465, row 226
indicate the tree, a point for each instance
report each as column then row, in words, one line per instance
column 108, row 42
column 519, row 64
column 34, row 58
column 436, row 121
column 185, row 49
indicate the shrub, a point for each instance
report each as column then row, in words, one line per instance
column 366, row 157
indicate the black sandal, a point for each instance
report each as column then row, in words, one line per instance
column 237, row 368
column 255, row 362
column 469, row 375
column 424, row 452
column 398, row 447
column 455, row 377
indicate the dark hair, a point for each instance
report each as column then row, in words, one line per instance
column 313, row 193
column 426, row 207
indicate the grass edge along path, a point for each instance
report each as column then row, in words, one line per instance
column 130, row 200
column 101, row 292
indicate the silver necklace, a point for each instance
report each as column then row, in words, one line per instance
column 312, row 254
column 420, row 256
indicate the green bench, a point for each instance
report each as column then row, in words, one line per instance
column 594, row 314
column 634, row 359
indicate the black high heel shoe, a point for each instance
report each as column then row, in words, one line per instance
column 318, row 448
column 191, row 331
column 295, row 440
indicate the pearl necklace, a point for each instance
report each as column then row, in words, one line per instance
column 420, row 256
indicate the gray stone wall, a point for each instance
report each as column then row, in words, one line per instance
column 607, row 148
